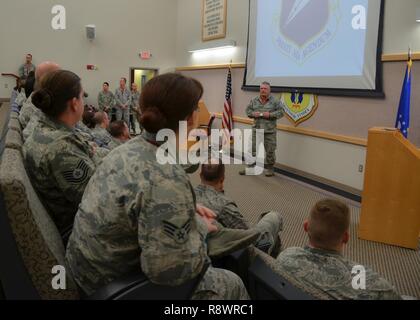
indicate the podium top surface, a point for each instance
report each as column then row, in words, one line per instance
column 394, row 134
column 383, row 130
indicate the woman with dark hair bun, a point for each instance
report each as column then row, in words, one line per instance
column 59, row 160
column 138, row 214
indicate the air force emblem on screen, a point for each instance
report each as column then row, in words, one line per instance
column 319, row 44
column 304, row 27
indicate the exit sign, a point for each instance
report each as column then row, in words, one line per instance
column 145, row 55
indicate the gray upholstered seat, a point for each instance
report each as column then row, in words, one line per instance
column 14, row 140
column 37, row 238
column 14, row 124
column 268, row 280
column 14, row 115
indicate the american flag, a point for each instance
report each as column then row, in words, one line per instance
column 227, row 121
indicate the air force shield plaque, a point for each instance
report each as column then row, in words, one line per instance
column 299, row 107
column 305, row 27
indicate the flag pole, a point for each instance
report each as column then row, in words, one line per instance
column 403, row 116
column 231, row 138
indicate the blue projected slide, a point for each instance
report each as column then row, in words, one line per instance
column 314, row 43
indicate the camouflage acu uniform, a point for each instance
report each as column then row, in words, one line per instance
column 331, row 273
column 229, row 216
column 122, row 98
column 134, row 109
column 26, row 112
column 60, row 163
column 137, row 214
column 101, row 148
column 33, row 122
column 115, row 142
column 269, row 125
column 103, row 135
column 105, row 101
column 25, row 69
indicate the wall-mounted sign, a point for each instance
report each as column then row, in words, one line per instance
column 214, row 19
column 91, row 67
column 299, row 107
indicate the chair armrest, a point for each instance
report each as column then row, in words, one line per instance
column 267, row 284
column 116, row 288
column 136, row 286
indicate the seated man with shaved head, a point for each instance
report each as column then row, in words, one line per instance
column 321, row 264
column 28, row 109
column 100, row 131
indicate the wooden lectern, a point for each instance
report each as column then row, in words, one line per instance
column 205, row 121
column 391, row 195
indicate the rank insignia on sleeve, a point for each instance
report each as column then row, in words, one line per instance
column 178, row 234
column 78, row 175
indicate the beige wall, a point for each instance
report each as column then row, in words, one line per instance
column 400, row 29
column 124, row 28
column 335, row 161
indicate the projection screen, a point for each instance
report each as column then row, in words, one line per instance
column 316, row 46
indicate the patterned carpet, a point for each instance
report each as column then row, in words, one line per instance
column 255, row 195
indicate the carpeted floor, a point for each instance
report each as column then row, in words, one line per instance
column 255, row 195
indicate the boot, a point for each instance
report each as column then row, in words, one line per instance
column 275, row 251
column 269, row 172
column 243, row 172
column 270, row 241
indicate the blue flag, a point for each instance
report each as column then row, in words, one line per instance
column 403, row 116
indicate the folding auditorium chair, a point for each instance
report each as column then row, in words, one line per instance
column 13, row 140
column 14, row 124
column 268, row 281
column 5, row 127
column 14, row 115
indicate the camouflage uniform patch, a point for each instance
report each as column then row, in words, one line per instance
column 178, row 233
column 331, row 273
column 59, row 162
column 79, row 175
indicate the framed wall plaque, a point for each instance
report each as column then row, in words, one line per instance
column 214, row 15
